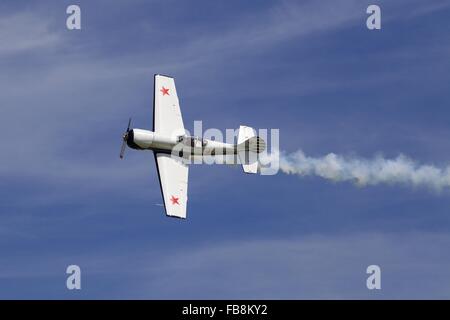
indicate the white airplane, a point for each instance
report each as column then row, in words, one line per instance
column 172, row 147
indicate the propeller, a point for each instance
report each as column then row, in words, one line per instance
column 124, row 140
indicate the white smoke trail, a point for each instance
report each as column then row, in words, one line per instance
column 363, row 172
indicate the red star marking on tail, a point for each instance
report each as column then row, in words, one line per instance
column 174, row 200
column 165, row 91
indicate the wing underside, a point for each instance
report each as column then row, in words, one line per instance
column 167, row 119
column 173, row 177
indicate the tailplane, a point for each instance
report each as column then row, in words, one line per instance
column 249, row 146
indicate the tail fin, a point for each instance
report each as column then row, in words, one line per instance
column 249, row 145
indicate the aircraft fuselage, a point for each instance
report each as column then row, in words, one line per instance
column 181, row 145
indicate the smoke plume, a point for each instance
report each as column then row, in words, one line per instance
column 363, row 172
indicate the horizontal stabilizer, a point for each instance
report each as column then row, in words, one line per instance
column 249, row 146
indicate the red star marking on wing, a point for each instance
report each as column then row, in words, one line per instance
column 174, row 200
column 165, row 91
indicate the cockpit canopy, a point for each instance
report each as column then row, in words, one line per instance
column 194, row 142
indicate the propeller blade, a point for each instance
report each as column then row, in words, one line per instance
column 122, row 149
column 129, row 124
column 124, row 142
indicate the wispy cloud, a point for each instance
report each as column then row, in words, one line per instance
column 65, row 100
column 26, row 32
column 310, row 267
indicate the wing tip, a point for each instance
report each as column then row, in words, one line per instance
column 175, row 216
column 163, row 75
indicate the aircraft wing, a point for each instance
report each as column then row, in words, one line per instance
column 173, row 177
column 167, row 118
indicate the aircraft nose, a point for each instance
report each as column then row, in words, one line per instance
column 130, row 138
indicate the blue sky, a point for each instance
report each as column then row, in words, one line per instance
column 308, row 68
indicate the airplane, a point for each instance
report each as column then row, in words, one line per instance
column 172, row 146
